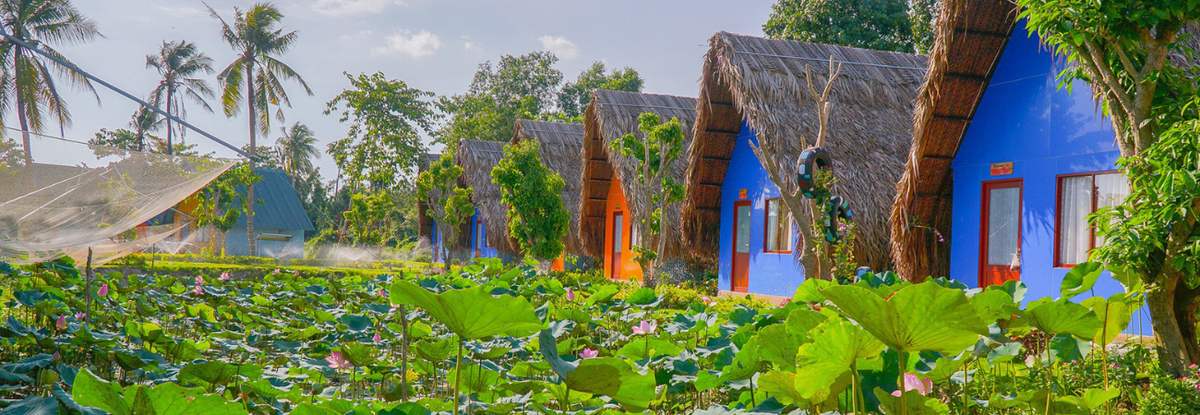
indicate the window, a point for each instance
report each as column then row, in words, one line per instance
column 779, row 228
column 1078, row 196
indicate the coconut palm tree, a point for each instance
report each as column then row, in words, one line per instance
column 25, row 76
column 255, row 36
column 179, row 63
column 297, row 148
column 144, row 124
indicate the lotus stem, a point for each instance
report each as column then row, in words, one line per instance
column 457, row 374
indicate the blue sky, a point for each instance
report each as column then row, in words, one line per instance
column 433, row 45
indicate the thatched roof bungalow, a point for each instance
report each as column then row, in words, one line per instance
column 560, row 143
column 608, row 203
column 753, row 90
column 487, row 234
column 990, row 123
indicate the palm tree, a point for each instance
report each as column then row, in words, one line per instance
column 257, row 40
column 144, row 123
column 178, row 63
column 24, row 75
column 297, row 148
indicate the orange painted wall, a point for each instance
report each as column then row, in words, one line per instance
column 628, row 269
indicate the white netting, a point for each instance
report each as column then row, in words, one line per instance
column 75, row 196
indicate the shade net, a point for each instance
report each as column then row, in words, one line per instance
column 74, row 196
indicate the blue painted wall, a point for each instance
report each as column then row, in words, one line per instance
column 1023, row 117
column 479, row 238
column 237, row 244
column 770, row 273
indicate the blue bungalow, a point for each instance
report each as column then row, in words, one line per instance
column 1005, row 165
column 280, row 221
column 754, row 93
column 485, row 231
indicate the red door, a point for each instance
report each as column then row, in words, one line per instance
column 740, row 280
column 618, row 244
column 1000, row 236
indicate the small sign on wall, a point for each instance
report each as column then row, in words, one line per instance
column 742, row 193
column 1002, row 169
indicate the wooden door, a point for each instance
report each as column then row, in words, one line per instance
column 618, row 244
column 1000, row 233
column 740, row 274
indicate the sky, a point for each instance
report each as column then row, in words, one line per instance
column 434, row 45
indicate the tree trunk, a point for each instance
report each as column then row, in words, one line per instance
column 251, row 241
column 21, row 116
column 170, row 142
column 1173, row 316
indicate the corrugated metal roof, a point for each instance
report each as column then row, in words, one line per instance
column 278, row 205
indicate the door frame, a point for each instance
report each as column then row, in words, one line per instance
column 734, row 243
column 985, row 207
column 615, row 263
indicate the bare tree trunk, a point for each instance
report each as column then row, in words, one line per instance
column 251, row 241
column 1173, row 316
column 21, row 116
column 170, row 141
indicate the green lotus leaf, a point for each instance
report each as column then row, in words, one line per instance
column 471, row 313
column 614, row 378
column 642, row 296
column 90, row 390
column 1114, row 314
column 919, row 317
column 810, row 291
column 1081, row 278
column 911, row 404
column 823, row 366
column 782, row 386
column 172, row 399
column 994, row 304
column 640, row 348
column 1062, row 317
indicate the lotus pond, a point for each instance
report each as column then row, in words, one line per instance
column 488, row 338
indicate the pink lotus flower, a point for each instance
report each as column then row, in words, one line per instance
column 80, row 315
column 103, row 291
column 646, row 327
column 225, row 276
column 61, row 323
column 337, row 360
column 276, row 270
column 381, row 293
column 376, row 338
column 199, row 280
column 588, row 353
column 912, row 382
column 197, row 290
column 570, row 294
column 706, row 300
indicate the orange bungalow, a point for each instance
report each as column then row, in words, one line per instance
column 608, row 205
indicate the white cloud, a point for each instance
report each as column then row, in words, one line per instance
column 412, row 44
column 560, row 46
column 351, row 7
column 179, row 11
column 469, row 44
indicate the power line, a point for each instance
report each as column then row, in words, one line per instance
column 144, row 104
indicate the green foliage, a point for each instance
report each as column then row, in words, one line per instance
column 576, row 95
column 655, row 150
column 220, row 204
column 1169, row 396
column 521, row 86
column 449, row 203
column 371, row 219
column 902, row 320
column 532, row 193
column 383, row 144
column 870, row 24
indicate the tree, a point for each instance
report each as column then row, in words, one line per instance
column 256, row 38
column 522, row 86
column 575, row 96
column 219, row 205
column 449, row 203
column 27, row 76
column 383, row 144
column 532, row 193
column 178, row 64
column 770, row 153
column 370, row 219
column 922, row 16
column 660, row 145
column 1130, row 52
column 870, row 24
column 141, row 129
column 296, row 149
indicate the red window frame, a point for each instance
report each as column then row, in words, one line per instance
column 767, row 226
column 1058, row 200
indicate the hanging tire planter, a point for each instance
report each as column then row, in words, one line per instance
column 834, row 208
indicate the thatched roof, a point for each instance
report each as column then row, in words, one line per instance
column 611, row 115
column 560, row 145
column 762, row 81
column 970, row 37
column 477, row 159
